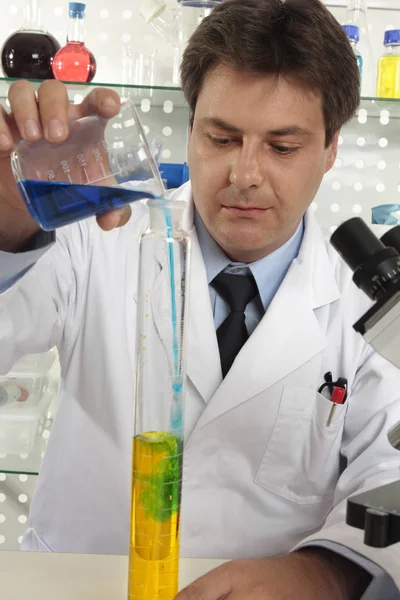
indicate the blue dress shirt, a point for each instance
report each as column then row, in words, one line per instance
column 268, row 273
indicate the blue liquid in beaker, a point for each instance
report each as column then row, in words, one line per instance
column 55, row 204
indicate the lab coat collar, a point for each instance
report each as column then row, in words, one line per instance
column 317, row 264
column 288, row 336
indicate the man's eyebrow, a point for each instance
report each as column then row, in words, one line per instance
column 290, row 130
column 280, row 132
column 221, row 124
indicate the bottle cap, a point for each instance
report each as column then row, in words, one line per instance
column 392, row 36
column 76, row 9
column 152, row 9
column 353, row 32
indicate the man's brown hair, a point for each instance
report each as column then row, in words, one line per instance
column 298, row 39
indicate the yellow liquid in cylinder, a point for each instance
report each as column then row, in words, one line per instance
column 154, row 541
column 388, row 77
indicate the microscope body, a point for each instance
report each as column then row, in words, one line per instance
column 376, row 266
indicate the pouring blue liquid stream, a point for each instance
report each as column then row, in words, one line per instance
column 176, row 416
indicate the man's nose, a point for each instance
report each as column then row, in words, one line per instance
column 246, row 169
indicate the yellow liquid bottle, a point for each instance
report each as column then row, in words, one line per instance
column 388, row 83
column 156, row 488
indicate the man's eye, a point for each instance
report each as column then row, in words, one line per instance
column 221, row 141
column 283, row 149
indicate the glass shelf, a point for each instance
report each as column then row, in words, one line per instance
column 158, row 96
column 376, row 106
column 29, row 463
column 372, row 4
column 24, row 464
column 76, row 91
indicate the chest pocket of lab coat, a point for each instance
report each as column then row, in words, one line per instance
column 301, row 461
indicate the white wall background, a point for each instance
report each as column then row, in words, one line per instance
column 367, row 171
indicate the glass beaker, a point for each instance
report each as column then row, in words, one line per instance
column 102, row 165
column 28, row 53
column 159, row 400
column 144, row 68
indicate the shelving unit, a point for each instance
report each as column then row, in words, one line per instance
column 76, row 91
column 25, row 464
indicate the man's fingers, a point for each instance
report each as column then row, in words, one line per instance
column 114, row 218
column 124, row 214
column 6, row 137
column 24, row 109
column 215, row 585
column 51, row 112
column 101, row 101
column 53, row 109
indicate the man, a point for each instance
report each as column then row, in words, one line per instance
column 269, row 85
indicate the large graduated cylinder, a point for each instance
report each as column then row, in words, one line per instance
column 159, row 426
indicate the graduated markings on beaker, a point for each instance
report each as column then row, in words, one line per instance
column 82, row 163
column 156, row 486
column 66, row 169
column 99, row 159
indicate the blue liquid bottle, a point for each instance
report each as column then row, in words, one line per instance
column 353, row 33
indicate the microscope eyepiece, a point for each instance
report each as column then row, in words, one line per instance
column 375, row 262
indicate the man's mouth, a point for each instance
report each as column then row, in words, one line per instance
column 244, row 210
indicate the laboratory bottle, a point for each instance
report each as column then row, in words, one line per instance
column 176, row 23
column 74, row 62
column 357, row 14
column 353, row 33
column 28, row 53
column 162, row 302
column 388, row 82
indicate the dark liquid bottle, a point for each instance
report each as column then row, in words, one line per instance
column 28, row 53
column 75, row 62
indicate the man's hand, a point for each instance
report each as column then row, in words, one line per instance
column 33, row 116
column 310, row 574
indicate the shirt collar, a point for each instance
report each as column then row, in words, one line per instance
column 268, row 271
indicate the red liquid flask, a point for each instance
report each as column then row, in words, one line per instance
column 75, row 62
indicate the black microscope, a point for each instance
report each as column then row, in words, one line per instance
column 376, row 266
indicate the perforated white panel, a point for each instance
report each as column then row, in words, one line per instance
column 367, row 170
column 15, row 495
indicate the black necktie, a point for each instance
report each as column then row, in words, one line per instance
column 237, row 291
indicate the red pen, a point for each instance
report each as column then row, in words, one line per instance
column 338, row 397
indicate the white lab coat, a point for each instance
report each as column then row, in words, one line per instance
column 261, row 468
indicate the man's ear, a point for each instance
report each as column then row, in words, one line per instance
column 332, row 152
